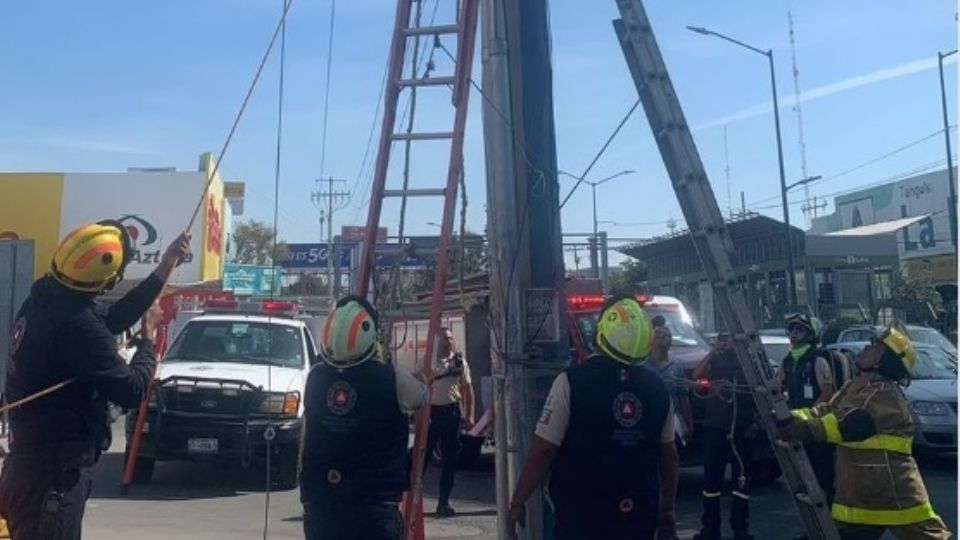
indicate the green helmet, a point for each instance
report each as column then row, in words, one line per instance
column 812, row 325
column 350, row 333
column 623, row 331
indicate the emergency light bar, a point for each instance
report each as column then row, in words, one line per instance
column 270, row 307
column 585, row 301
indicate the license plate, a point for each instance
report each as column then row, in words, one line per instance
column 203, row 446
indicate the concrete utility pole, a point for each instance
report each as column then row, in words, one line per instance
column 946, row 138
column 335, row 201
column 523, row 208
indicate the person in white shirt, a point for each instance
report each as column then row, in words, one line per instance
column 451, row 408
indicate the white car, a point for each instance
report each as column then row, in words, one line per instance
column 231, row 378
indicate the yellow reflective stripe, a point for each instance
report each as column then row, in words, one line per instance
column 802, row 414
column 831, row 426
column 904, row 516
column 882, row 441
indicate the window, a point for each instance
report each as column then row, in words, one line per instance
column 240, row 342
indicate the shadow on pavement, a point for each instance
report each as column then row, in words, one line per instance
column 178, row 480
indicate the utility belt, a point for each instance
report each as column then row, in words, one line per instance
column 56, row 456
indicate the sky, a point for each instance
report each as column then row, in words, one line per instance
column 99, row 86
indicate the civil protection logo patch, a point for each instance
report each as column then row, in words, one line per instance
column 16, row 335
column 627, row 409
column 341, row 398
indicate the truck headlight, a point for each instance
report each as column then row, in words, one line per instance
column 930, row 408
column 281, row 403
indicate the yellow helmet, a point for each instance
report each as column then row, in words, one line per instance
column 350, row 334
column 623, row 331
column 897, row 341
column 92, row 257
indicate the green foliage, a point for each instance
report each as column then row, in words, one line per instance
column 253, row 244
column 627, row 278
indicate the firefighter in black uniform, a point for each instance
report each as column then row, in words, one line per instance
column 61, row 333
column 355, row 465
column 808, row 376
column 730, row 433
column 606, row 435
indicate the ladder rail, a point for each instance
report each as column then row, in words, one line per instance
column 413, row 503
column 716, row 250
column 390, row 98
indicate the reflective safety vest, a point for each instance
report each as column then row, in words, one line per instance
column 877, row 482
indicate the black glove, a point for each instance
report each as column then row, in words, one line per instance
column 795, row 431
column 857, row 425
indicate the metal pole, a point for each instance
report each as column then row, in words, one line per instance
column 946, row 138
column 604, row 263
column 791, row 277
column 594, row 263
column 330, row 241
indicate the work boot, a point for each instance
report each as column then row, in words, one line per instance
column 445, row 511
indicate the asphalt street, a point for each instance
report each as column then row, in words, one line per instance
column 205, row 501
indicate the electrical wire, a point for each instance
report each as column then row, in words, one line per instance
column 269, row 431
column 326, row 91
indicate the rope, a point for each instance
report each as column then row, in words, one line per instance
column 267, row 434
column 203, row 194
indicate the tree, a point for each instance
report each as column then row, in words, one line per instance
column 253, row 242
column 626, row 279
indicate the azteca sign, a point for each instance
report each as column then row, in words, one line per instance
column 143, row 235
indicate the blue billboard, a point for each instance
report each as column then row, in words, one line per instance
column 314, row 256
column 250, row 280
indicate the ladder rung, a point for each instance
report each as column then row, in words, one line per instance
column 428, row 81
column 432, row 30
column 423, row 192
column 425, row 136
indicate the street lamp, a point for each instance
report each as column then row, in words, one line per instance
column 593, row 189
column 946, row 136
column 776, row 120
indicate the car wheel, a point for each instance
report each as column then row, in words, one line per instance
column 142, row 469
column 287, row 468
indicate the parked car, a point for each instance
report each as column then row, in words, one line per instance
column 918, row 334
column 931, row 396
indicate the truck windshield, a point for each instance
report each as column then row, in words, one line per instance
column 235, row 341
column 684, row 334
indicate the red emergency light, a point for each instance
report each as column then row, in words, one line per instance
column 221, row 304
column 585, row 301
column 643, row 299
column 276, row 306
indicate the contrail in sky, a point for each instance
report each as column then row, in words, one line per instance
column 826, row 90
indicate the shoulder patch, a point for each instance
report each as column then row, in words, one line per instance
column 16, row 335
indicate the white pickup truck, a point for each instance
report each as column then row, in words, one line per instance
column 233, row 377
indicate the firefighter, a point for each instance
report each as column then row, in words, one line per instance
column 61, row 334
column 451, row 407
column 355, row 466
column 606, row 436
column 730, row 432
column 808, row 378
column 879, row 486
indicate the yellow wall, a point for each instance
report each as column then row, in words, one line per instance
column 30, row 205
column 213, row 219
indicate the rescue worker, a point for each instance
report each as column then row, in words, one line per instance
column 606, row 436
column 672, row 374
column 879, row 486
column 807, row 377
column 61, row 334
column 451, row 407
column 730, row 433
column 355, row 466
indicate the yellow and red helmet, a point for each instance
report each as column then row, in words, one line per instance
column 350, row 335
column 92, row 257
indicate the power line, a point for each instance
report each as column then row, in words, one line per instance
column 865, row 163
column 326, row 92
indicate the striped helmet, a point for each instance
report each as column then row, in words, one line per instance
column 92, row 257
column 623, row 331
column 350, row 333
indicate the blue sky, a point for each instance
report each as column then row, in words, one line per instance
column 98, row 86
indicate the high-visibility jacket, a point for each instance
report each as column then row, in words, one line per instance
column 877, row 479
